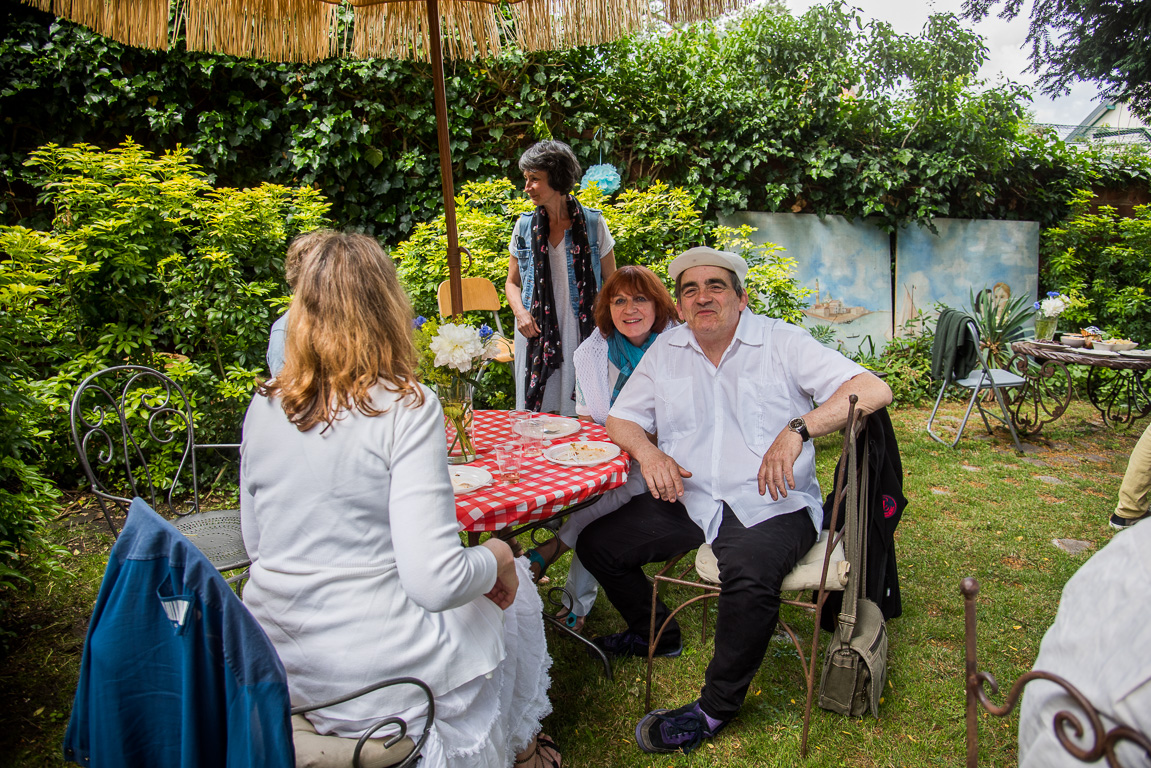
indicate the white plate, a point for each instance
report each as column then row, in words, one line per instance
column 466, row 479
column 1097, row 352
column 1050, row 346
column 582, row 453
column 547, row 427
column 1144, row 353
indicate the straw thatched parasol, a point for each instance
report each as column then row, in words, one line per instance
column 311, row 30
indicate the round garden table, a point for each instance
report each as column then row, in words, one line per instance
column 1118, row 385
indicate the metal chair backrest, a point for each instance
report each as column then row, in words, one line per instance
column 132, row 428
column 1088, row 742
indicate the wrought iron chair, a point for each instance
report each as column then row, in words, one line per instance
column 980, row 379
column 479, row 295
column 821, row 571
column 210, row 673
column 133, row 430
column 1068, row 724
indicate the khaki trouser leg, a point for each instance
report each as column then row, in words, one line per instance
column 1135, row 492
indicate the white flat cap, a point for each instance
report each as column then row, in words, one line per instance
column 707, row 257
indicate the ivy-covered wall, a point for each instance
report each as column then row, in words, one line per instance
column 814, row 114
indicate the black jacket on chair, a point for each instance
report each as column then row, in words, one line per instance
column 885, row 505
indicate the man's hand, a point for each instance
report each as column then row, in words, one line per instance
column 663, row 475
column 776, row 471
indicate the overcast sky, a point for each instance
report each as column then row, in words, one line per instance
column 1004, row 39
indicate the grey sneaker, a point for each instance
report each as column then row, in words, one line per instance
column 1119, row 523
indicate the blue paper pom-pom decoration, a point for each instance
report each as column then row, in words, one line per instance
column 604, row 176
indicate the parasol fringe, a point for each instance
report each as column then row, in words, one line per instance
column 139, row 23
column 308, row 30
column 278, row 30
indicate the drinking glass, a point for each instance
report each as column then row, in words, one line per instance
column 533, row 437
column 509, row 457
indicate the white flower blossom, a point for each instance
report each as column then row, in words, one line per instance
column 1053, row 306
column 457, row 347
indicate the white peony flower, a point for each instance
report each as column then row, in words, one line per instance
column 457, row 346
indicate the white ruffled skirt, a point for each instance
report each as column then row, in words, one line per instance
column 485, row 722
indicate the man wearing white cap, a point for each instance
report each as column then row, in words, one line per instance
column 728, row 396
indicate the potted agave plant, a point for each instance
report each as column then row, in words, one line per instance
column 452, row 358
column 1000, row 323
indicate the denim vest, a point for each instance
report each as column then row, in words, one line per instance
column 522, row 243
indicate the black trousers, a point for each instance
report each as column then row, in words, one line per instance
column 752, row 565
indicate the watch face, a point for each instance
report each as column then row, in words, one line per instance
column 797, row 425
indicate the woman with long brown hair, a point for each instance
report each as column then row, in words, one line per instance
column 357, row 572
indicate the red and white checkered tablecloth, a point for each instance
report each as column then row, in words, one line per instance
column 544, row 487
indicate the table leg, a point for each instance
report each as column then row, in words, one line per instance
column 473, row 538
column 1120, row 396
column 1043, row 398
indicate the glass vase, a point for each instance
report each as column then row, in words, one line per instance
column 1045, row 327
column 459, row 420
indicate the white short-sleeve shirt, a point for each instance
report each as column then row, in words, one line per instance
column 718, row 422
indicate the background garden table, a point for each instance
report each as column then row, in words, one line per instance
column 1117, row 386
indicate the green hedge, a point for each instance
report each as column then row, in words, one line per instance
column 821, row 114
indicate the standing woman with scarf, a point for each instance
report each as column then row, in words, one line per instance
column 631, row 311
column 560, row 256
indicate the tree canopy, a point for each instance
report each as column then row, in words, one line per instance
column 1103, row 41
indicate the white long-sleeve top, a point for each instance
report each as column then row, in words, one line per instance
column 358, row 573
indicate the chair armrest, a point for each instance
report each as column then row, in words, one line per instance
column 384, row 722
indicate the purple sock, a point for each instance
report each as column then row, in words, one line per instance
column 711, row 722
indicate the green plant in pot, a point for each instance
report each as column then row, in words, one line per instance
column 1000, row 323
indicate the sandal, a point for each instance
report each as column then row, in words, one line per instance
column 547, row 743
column 541, row 562
column 538, row 759
column 571, row 620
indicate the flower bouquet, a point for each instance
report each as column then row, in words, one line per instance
column 448, row 353
column 1049, row 310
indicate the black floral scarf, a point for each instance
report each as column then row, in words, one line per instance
column 545, row 351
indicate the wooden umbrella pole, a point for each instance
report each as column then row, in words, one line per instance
column 441, row 99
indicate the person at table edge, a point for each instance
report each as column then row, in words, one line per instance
column 560, row 256
column 729, row 396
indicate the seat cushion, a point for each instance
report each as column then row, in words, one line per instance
column 803, row 577
column 316, row 751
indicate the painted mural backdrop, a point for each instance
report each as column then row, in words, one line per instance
column 847, row 263
column 965, row 257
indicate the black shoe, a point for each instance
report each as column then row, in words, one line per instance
column 1119, row 523
column 676, row 730
column 628, row 643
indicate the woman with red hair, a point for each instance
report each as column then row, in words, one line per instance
column 631, row 310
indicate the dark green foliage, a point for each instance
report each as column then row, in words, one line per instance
column 820, row 114
column 1103, row 262
column 906, row 361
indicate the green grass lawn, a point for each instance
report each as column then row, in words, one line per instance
column 979, row 510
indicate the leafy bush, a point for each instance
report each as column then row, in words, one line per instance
column 1103, row 262
column 906, row 361
column 148, row 263
column 27, row 498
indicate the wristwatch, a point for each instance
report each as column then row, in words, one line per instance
column 799, row 426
